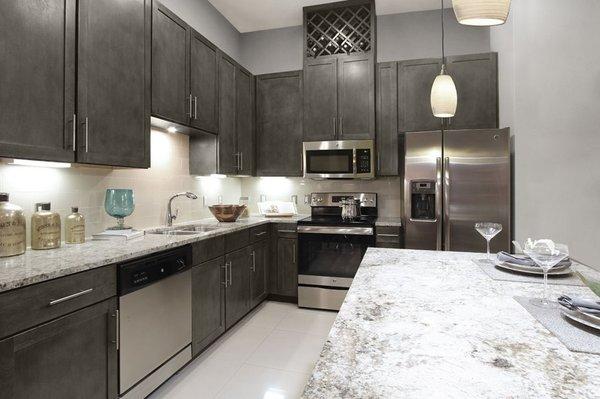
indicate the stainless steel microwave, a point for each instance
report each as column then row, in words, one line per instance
column 343, row 159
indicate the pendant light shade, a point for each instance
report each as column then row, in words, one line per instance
column 481, row 12
column 443, row 96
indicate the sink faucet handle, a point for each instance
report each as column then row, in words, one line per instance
column 175, row 214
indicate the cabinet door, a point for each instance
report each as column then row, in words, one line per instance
column 170, row 85
column 287, row 266
column 114, row 82
column 258, row 277
column 74, row 356
column 237, row 295
column 37, row 79
column 208, row 303
column 476, row 80
column 244, row 98
column 415, row 79
column 279, row 121
column 228, row 160
column 356, row 98
column 203, row 83
column 320, row 99
column 387, row 120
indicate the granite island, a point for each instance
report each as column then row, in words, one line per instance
column 426, row 324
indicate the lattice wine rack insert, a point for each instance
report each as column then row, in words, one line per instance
column 338, row 31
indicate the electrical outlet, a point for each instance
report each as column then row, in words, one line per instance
column 294, row 199
column 307, row 199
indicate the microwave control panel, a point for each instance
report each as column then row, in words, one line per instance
column 363, row 160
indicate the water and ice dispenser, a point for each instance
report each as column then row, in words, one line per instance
column 422, row 194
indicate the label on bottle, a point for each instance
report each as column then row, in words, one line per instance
column 75, row 233
column 46, row 234
column 12, row 236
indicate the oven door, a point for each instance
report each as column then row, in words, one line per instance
column 329, row 259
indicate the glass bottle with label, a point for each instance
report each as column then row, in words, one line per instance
column 45, row 227
column 75, row 227
column 12, row 228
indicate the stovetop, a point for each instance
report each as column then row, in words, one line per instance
column 363, row 221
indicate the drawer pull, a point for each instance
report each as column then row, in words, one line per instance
column 286, row 231
column 388, row 235
column 69, row 297
column 260, row 234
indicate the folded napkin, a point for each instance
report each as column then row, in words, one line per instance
column 585, row 305
column 525, row 260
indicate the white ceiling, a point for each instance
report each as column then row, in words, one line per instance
column 253, row 15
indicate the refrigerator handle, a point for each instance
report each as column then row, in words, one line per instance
column 447, row 245
column 438, row 202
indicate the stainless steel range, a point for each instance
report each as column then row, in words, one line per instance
column 331, row 248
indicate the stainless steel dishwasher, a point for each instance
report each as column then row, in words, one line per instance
column 155, row 320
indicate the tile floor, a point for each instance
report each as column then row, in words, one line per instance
column 268, row 355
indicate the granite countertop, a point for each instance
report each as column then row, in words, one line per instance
column 425, row 324
column 37, row 266
column 390, row 222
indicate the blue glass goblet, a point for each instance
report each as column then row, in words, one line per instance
column 119, row 204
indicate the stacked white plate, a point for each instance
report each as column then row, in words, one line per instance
column 559, row 270
column 580, row 316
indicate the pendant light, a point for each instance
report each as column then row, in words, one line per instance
column 481, row 12
column 443, row 90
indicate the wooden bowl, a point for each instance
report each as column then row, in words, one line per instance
column 227, row 213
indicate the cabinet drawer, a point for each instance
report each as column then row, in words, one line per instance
column 29, row 306
column 258, row 233
column 208, row 249
column 286, row 230
column 237, row 240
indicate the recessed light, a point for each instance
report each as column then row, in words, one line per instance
column 42, row 164
column 172, row 129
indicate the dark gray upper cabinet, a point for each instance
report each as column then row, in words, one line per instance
column 320, row 99
column 356, row 94
column 113, row 82
column 227, row 157
column 244, row 98
column 203, row 84
column 74, row 356
column 37, row 79
column 279, row 121
column 208, row 303
column 258, row 275
column 237, row 294
column 476, row 80
column 415, row 78
column 387, row 119
column 170, row 75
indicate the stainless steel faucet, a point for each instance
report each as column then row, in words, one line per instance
column 172, row 216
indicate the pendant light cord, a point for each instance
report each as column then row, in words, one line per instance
column 443, row 53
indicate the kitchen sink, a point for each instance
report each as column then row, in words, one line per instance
column 183, row 230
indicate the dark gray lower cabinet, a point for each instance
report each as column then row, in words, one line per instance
column 476, row 80
column 74, row 356
column 208, row 303
column 237, row 294
column 113, row 82
column 287, row 266
column 259, row 269
column 279, row 122
column 387, row 120
column 389, row 237
column 37, row 79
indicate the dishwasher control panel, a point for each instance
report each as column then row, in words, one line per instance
column 139, row 273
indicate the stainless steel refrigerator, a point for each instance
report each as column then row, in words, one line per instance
column 452, row 180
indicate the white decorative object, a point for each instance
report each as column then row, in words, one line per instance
column 481, row 12
column 277, row 208
column 444, row 97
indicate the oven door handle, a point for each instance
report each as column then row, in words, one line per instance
column 361, row 231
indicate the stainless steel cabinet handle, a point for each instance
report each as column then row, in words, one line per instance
column 117, row 340
column 69, row 297
column 334, row 126
column 87, row 134
column 190, row 106
column 260, row 234
column 195, row 107
column 341, row 128
column 294, row 254
column 241, row 161
column 387, row 235
column 254, row 261
column 224, row 267
column 286, row 231
column 230, row 274
column 74, row 131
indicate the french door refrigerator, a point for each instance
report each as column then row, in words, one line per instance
column 452, row 180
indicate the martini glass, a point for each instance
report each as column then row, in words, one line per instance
column 488, row 230
column 546, row 254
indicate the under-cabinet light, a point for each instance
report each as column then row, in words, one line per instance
column 40, row 164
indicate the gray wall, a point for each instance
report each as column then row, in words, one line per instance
column 399, row 37
column 202, row 16
column 553, row 75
